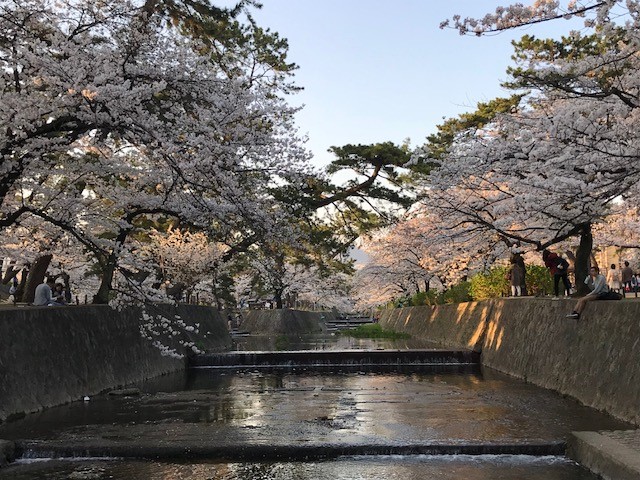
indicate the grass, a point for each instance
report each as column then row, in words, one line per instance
column 374, row 330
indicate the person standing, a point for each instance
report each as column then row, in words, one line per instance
column 559, row 269
column 613, row 278
column 599, row 291
column 516, row 276
column 626, row 275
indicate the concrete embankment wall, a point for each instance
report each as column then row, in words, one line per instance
column 595, row 359
column 455, row 326
column 54, row 355
column 284, row 322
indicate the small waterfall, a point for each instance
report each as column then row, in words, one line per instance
column 347, row 360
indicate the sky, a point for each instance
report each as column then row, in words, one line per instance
column 376, row 71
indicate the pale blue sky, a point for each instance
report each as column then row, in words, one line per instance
column 375, row 70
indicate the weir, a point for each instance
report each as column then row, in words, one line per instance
column 369, row 360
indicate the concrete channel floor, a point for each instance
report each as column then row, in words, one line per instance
column 258, row 416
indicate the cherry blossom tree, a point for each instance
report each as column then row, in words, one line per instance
column 113, row 118
column 518, row 15
column 554, row 168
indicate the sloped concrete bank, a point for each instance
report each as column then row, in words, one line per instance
column 595, row 359
column 284, row 322
column 53, row 355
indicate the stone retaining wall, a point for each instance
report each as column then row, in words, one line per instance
column 454, row 326
column 54, row 355
column 284, row 322
column 595, row 359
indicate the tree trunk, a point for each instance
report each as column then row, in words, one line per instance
column 583, row 254
column 36, row 275
column 110, row 263
column 217, row 297
column 106, row 282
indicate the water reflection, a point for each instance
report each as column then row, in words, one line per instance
column 328, row 341
column 282, row 407
column 354, row 468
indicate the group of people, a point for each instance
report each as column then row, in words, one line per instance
column 611, row 287
column 622, row 280
column 559, row 269
column 51, row 294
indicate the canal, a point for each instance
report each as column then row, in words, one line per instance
column 454, row 421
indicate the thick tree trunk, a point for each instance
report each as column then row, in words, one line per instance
column 35, row 277
column 110, row 264
column 106, row 283
column 583, row 255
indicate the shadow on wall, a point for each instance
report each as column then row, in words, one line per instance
column 458, row 326
column 595, row 359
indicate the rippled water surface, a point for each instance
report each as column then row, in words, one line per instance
column 358, row 468
column 205, row 410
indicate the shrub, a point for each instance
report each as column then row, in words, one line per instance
column 539, row 280
column 491, row 284
column 457, row 294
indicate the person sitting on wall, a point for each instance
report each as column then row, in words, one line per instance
column 44, row 295
column 59, row 294
column 599, row 291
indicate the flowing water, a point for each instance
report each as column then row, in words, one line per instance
column 286, row 424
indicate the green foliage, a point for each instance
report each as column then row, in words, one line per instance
column 495, row 283
column 374, row 330
column 531, row 51
column 421, row 298
column 439, row 143
column 539, row 280
column 458, row 293
column 491, row 284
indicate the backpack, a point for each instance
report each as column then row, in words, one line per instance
column 610, row 296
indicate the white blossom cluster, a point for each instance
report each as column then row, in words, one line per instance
column 518, row 14
column 168, row 333
column 115, row 125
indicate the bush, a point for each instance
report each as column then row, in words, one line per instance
column 457, row 294
column 492, row 284
column 539, row 280
column 419, row 298
column 495, row 283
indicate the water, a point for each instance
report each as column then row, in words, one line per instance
column 328, row 341
column 272, row 425
column 418, row 467
column 219, row 414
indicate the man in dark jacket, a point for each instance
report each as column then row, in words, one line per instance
column 558, row 267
